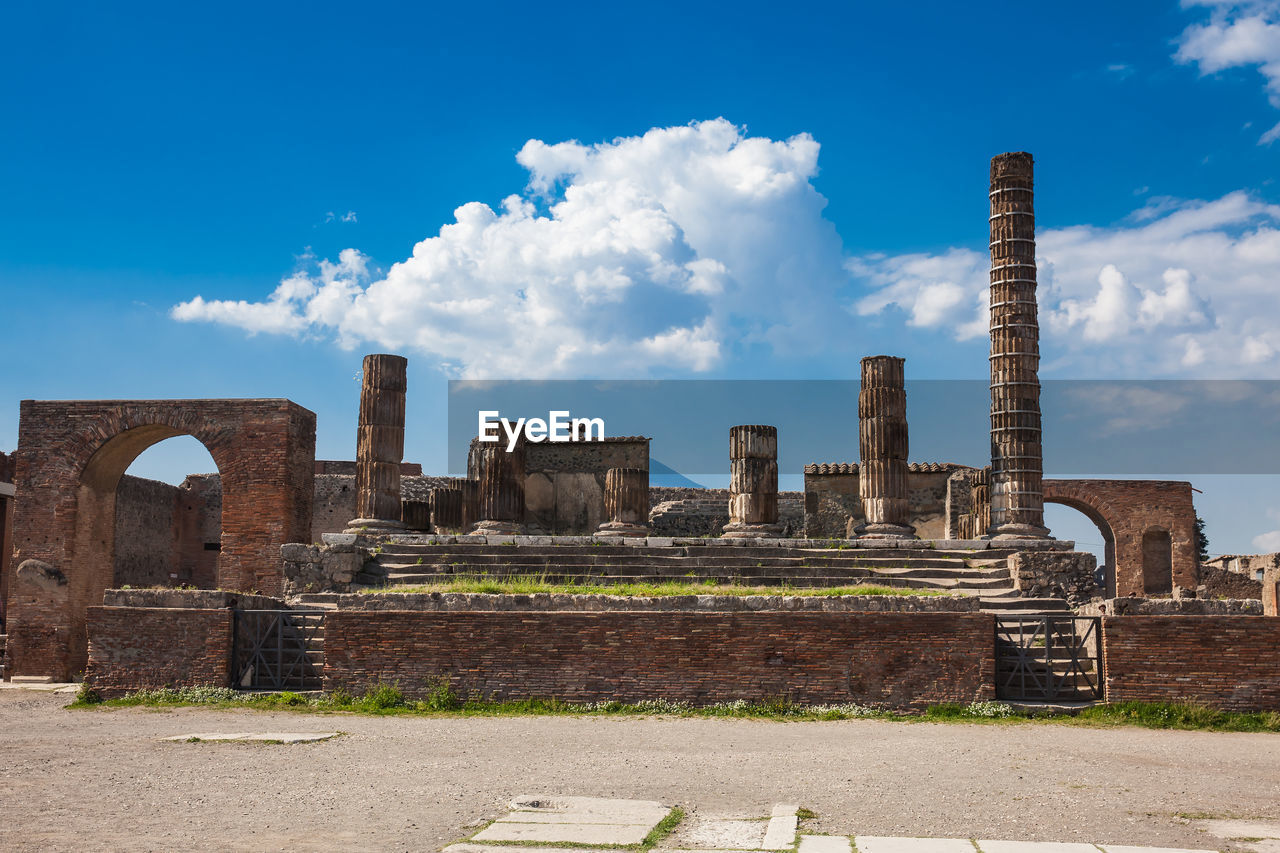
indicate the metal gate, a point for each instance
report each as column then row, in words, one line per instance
column 1049, row 658
column 278, row 649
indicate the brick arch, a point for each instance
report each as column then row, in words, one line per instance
column 1129, row 509
column 1097, row 512
column 71, row 456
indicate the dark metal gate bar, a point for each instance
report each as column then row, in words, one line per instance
column 277, row 649
column 1049, row 658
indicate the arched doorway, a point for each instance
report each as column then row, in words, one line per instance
column 168, row 529
column 1107, row 557
column 72, row 456
column 94, row 554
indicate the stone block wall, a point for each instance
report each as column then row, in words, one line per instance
column 1068, row 575
column 891, row 660
column 146, row 647
column 705, row 512
column 1216, row 582
column 1228, row 662
column 564, row 482
column 832, row 506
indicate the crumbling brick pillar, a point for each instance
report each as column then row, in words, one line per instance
column 882, row 446
column 501, row 488
column 626, row 502
column 753, row 482
column 469, row 489
column 1017, row 494
column 446, row 508
column 380, row 445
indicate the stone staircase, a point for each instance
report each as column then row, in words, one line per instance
column 983, row 573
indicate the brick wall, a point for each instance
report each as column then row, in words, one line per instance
column 71, row 456
column 145, row 647
column 895, row 660
column 1126, row 510
column 1229, row 662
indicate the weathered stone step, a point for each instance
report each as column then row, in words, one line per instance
column 1024, row 606
column 689, row 551
column 725, row 580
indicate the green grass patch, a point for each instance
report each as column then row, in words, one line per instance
column 664, row 828
column 535, row 585
column 438, row 699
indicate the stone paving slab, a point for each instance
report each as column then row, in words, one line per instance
column 882, row 844
column 1240, row 828
column 540, row 808
column 824, row 844
column 781, row 831
column 1129, row 848
column 1035, row 847
column 41, row 686
column 723, row 834
column 255, row 737
column 569, row 833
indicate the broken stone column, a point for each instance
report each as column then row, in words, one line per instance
column 501, row 488
column 469, row 488
column 380, row 445
column 753, row 482
column 882, row 446
column 446, row 508
column 1017, row 492
column 626, row 502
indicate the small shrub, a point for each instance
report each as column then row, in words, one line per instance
column 440, row 697
column 382, row 697
column 86, row 695
column 340, row 697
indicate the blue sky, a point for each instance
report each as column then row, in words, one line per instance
column 770, row 193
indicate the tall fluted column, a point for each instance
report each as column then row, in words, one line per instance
column 469, row 488
column 626, row 502
column 501, row 488
column 1017, row 468
column 882, row 446
column 446, row 508
column 753, row 482
column 380, row 445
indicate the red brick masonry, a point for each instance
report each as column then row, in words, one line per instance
column 895, row 660
column 136, row 647
column 1230, row 662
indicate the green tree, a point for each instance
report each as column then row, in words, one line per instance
column 1202, row 541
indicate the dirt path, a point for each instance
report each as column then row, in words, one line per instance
column 101, row 780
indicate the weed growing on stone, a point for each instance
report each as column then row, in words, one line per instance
column 664, row 828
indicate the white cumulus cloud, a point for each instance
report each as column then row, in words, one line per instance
column 1237, row 34
column 1183, row 288
column 645, row 253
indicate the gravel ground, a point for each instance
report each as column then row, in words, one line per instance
column 101, row 779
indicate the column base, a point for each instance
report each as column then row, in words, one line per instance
column 1019, row 531
column 497, row 528
column 375, row 526
column 884, row 530
column 621, row 529
column 742, row 530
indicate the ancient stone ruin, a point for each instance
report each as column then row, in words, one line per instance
column 293, row 538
